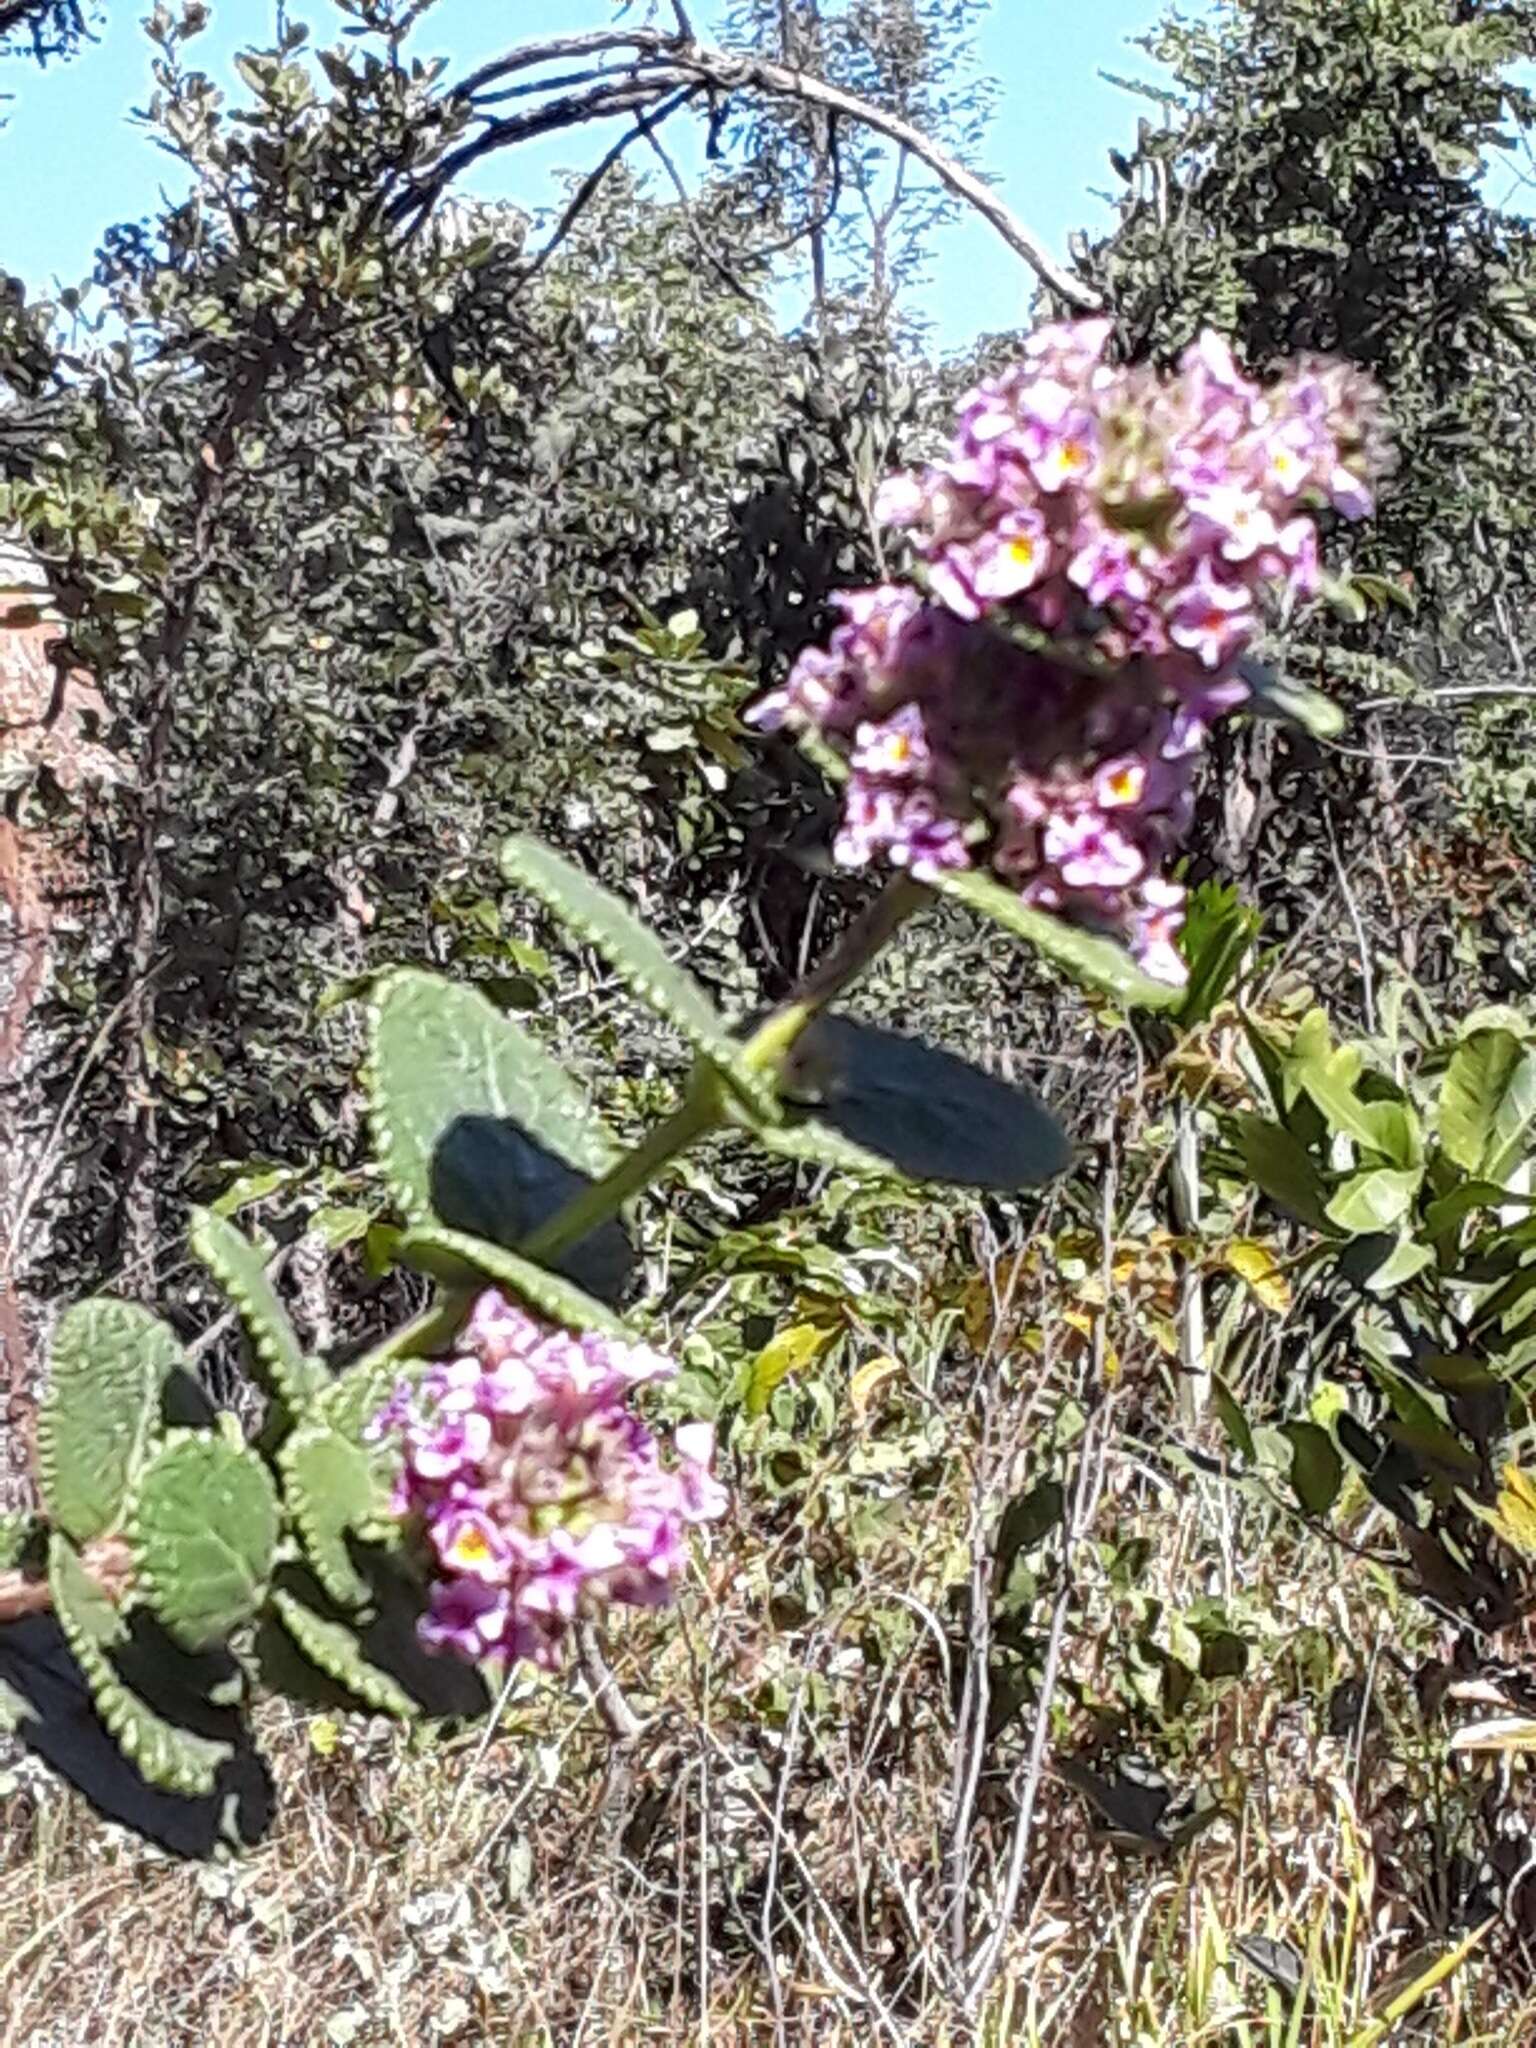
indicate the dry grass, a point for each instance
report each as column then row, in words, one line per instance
column 836, row 1826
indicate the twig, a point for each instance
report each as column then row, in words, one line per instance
column 585, row 191
column 108, row 1563
column 658, row 62
column 1085, row 1496
column 613, row 1710
column 1368, row 984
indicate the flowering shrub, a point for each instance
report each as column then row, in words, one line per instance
column 1092, row 559
column 539, row 1492
column 1094, row 555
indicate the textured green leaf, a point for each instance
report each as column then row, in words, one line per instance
column 1377, row 1199
column 204, row 1528
column 241, row 1271
column 1317, row 1471
column 16, row 1532
column 459, row 1261
column 334, row 1649
column 177, row 1758
column 1099, row 963
column 1281, row 1167
column 100, row 1410
column 1476, row 1083
column 439, row 1052
column 596, row 916
column 815, row 1143
column 333, row 1486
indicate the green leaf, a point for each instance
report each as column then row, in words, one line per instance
column 1377, row 1199
column 332, row 1486
column 935, row 1117
column 204, row 1528
column 1233, row 1420
column 16, row 1532
column 439, row 1052
column 241, row 1271
column 1317, row 1471
column 1281, row 1167
column 163, row 1753
column 460, row 1261
column 1475, row 1086
column 598, row 918
column 333, row 1648
column 1407, row 1258
column 1329, row 1081
column 792, row 1350
column 100, row 1410
column 1097, row 962
column 1292, row 703
column 1512, row 1121
column 1218, row 930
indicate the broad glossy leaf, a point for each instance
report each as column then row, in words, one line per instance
column 1511, row 1141
column 1377, row 1199
column 933, row 1116
column 1097, row 962
column 1281, row 1167
column 1476, row 1083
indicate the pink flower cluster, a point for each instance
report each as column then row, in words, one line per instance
column 1095, row 553
column 538, row 1491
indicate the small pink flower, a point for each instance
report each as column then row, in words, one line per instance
column 1212, row 618
column 547, row 1496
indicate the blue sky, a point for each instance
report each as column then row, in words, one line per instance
column 72, row 162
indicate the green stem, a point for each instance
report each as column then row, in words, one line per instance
column 703, row 1108
column 701, row 1111
column 864, row 938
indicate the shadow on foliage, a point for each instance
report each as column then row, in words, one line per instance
column 491, row 1179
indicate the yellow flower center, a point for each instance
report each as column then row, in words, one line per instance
column 473, row 1547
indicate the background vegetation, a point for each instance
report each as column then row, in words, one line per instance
column 1121, row 1587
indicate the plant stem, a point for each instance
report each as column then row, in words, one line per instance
column 704, row 1107
column 701, row 1111
column 870, row 931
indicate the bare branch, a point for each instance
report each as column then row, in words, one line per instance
column 628, row 92
column 659, row 63
column 582, row 197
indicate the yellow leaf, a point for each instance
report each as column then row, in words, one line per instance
column 1255, row 1264
column 1513, row 1515
column 324, row 1734
column 871, row 1376
column 792, row 1350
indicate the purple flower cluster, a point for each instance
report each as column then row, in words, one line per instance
column 1095, row 553
column 539, row 1493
